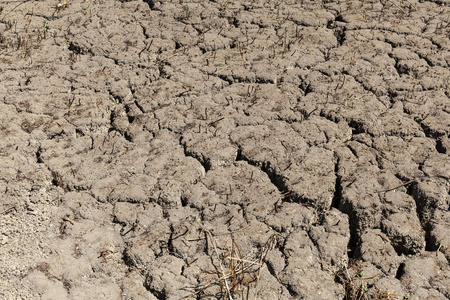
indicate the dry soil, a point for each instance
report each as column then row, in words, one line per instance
column 223, row 149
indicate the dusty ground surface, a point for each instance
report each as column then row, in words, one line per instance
column 218, row 149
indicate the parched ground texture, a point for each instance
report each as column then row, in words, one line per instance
column 225, row 149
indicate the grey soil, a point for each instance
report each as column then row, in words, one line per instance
column 224, row 150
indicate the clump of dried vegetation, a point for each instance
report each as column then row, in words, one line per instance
column 234, row 275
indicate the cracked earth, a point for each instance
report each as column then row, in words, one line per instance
column 225, row 149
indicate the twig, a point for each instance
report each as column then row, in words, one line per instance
column 396, row 187
column 67, row 220
column 220, row 234
column 213, row 123
column 9, row 209
column 29, row 22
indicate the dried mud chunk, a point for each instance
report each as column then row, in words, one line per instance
column 361, row 148
column 275, row 261
column 149, row 216
column 77, row 275
column 170, row 118
column 119, row 120
column 441, row 282
column 271, row 103
column 376, row 249
column 300, row 250
column 224, row 219
column 439, row 238
column 199, row 196
column 270, row 288
column 393, row 194
column 133, row 288
column 312, row 283
column 375, row 83
column 101, row 287
column 332, row 238
column 120, row 90
column 186, row 238
column 386, row 288
column 174, row 172
column 435, row 81
column 319, row 131
column 84, row 206
column 213, row 153
column 419, row 272
column 149, row 239
column 438, row 165
column 394, row 123
column 101, row 189
column 311, row 19
column 443, row 145
column 303, row 273
column 47, row 288
column 358, row 197
column 423, row 293
column 312, row 180
column 290, row 216
column 261, row 144
column 164, row 279
column 197, row 265
column 396, row 201
column 412, row 67
column 187, row 244
column 405, row 232
column 266, row 73
column 437, row 123
column 212, row 41
column 403, row 156
column 404, row 54
column 256, row 235
column 132, row 193
column 125, row 213
column 431, row 195
column 200, row 269
column 422, row 104
column 102, row 237
column 242, row 184
column 138, row 253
